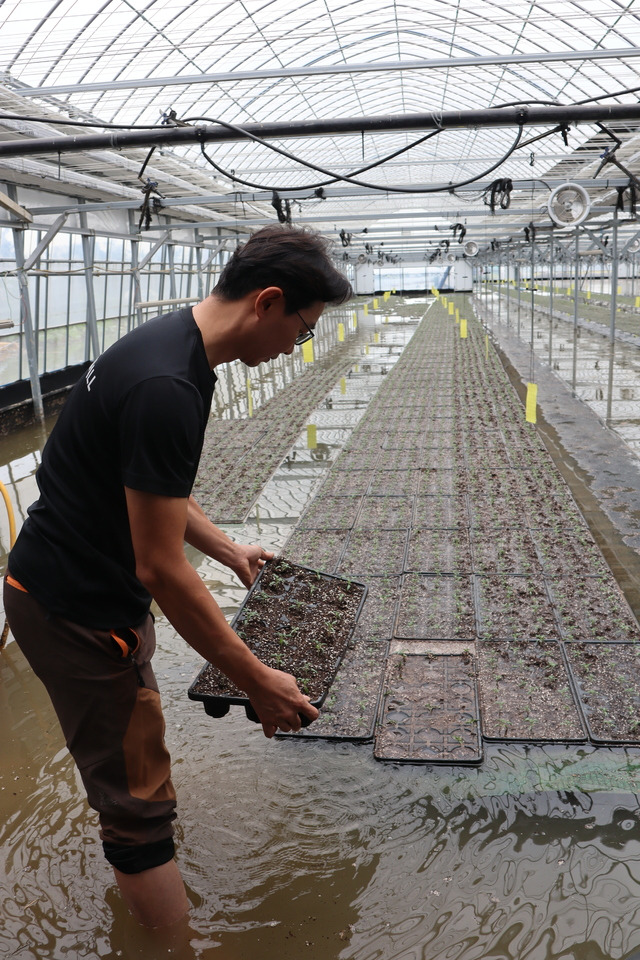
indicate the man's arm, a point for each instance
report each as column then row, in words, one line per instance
column 158, row 530
column 201, row 533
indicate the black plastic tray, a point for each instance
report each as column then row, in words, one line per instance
column 217, row 705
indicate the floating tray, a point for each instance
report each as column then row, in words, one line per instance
column 295, row 619
column 430, row 710
column 607, row 680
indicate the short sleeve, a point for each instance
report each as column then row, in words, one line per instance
column 161, row 430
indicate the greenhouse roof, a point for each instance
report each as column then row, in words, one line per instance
column 247, row 63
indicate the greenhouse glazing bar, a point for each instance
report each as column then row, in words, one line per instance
column 452, row 119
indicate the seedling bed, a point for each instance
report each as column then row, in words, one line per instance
column 385, row 513
column 607, row 678
column 319, row 549
column 342, row 483
column 430, row 711
column 486, row 513
column 564, row 551
column 441, row 510
column 436, row 606
column 378, row 617
column 592, row 608
column 506, row 550
column 514, row 607
column 379, row 554
column 294, row 619
column 330, row 513
column 438, row 550
column 402, row 483
column 526, row 693
column 352, row 705
column 437, row 482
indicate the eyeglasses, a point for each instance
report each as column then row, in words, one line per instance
column 303, row 337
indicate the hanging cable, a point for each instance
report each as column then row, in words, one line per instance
column 361, row 183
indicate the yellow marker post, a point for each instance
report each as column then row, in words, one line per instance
column 451, row 309
column 375, row 303
column 312, row 437
column 366, row 309
column 366, row 348
column 532, row 399
column 249, row 398
column 343, row 385
column 588, row 294
column 463, row 328
column 457, row 315
column 354, row 317
column 376, row 337
column 637, row 302
column 341, row 333
column 307, row 351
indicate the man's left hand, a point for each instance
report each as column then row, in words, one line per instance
column 251, row 558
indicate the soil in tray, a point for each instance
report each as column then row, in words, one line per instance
column 592, row 608
column 436, row 607
column 487, row 513
column 525, row 692
column 607, row 677
column 330, row 513
column 369, row 554
column 565, row 551
column 401, row 483
column 439, row 551
column 293, row 620
column 436, row 482
column 343, row 483
column 319, row 549
column 505, row 550
column 385, row 513
column 441, row 511
column 378, row 617
column 429, row 711
column 350, row 710
column 514, row 607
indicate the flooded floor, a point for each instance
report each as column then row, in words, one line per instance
column 313, row 849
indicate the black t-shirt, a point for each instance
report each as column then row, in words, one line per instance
column 136, row 419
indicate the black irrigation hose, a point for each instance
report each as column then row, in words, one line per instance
column 360, row 183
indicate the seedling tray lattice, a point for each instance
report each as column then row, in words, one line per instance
column 607, row 680
column 430, row 711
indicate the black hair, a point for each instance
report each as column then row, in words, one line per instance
column 295, row 259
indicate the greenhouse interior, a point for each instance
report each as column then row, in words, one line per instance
column 446, row 471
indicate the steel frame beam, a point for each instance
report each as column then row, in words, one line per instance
column 391, row 123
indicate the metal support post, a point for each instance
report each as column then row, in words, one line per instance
column 551, row 283
column 27, row 324
column 614, row 311
column 576, row 284
column 92, row 340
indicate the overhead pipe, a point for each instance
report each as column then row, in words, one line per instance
column 217, row 133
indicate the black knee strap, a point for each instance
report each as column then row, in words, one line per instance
column 138, row 858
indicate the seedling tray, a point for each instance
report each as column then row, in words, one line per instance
column 526, row 693
column 607, row 680
column 430, row 711
column 294, row 619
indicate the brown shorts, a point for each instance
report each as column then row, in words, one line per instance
column 106, row 697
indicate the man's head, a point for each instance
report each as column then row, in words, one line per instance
column 295, row 260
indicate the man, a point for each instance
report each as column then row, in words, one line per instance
column 107, row 535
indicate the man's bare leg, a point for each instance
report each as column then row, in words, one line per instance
column 155, row 897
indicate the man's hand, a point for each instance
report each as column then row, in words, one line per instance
column 250, row 559
column 278, row 702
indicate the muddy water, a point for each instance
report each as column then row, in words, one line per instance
column 314, row 850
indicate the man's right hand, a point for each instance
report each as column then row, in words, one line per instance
column 276, row 699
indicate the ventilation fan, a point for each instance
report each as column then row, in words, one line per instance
column 470, row 248
column 569, row 205
column 634, row 246
column 451, row 258
column 362, row 258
